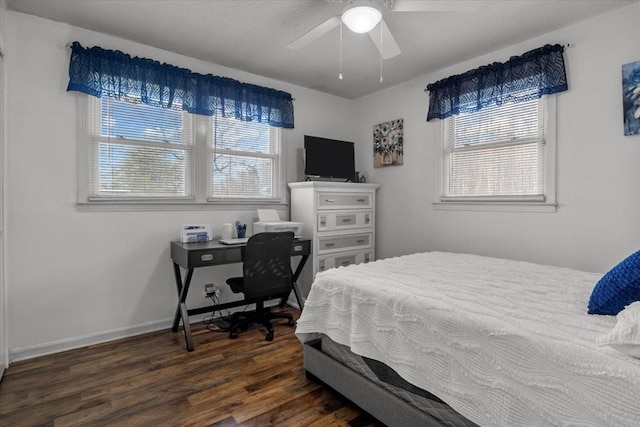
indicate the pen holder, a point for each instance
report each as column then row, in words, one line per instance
column 241, row 229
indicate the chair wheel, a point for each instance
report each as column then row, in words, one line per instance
column 269, row 336
column 233, row 335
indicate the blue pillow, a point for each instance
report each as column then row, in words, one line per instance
column 618, row 288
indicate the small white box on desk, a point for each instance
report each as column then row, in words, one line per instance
column 274, row 226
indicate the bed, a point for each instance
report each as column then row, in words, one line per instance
column 486, row 341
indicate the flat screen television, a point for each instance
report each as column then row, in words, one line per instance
column 328, row 158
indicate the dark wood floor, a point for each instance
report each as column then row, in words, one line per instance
column 152, row 380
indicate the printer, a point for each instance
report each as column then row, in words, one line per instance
column 269, row 221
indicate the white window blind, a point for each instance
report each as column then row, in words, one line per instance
column 139, row 151
column 496, row 153
column 244, row 159
column 139, row 156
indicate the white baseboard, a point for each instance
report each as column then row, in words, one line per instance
column 30, row 352
column 44, row 349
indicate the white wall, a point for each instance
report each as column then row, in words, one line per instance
column 598, row 168
column 79, row 277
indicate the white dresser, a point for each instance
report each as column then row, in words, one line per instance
column 339, row 218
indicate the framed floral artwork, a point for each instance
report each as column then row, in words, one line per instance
column 631, row 97
column 387, row 143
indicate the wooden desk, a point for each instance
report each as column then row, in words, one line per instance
column 193, row 255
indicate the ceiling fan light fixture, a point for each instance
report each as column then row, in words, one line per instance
column 361, row 19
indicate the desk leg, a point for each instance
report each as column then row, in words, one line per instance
column 181, row 310
column 187, row 326
column 296, row 290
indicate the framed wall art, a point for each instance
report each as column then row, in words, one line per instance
column 388, row 143
column 631, row 97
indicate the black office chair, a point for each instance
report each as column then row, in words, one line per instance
column 267, row 274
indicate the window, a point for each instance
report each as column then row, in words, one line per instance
column 501, row 153
column 139, row 151
column 498, row 132
column 244, row 158
column 140, row 154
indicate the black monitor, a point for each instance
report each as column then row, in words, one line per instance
column 328, row 158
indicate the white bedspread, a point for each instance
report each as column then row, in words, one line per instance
column 505, row 343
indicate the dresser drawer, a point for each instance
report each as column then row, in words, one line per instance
column 344, row 242
column 343, row 259
column 328, row 200
column 344, row 220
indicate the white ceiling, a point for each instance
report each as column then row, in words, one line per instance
column 252, row 35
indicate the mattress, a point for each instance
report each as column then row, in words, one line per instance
column 504, row 343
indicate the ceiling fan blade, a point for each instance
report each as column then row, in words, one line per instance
column 384, row 41
column 435, row 6
column 315, row 33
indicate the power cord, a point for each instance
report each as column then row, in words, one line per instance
column 222, row 322
column 212, row 321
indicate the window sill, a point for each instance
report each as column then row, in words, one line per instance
column 493, row 206
column 131, row 206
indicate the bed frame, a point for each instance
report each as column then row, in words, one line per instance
column 381, row 404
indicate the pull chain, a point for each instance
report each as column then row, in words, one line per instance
column 380, row 51
column 340, row 73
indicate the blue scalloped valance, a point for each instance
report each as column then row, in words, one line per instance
column 522, row 78
column 98, row 71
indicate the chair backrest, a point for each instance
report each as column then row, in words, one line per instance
column 267, row 265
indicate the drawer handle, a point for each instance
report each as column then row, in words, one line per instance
column 362, row 200
column 330, row 200
column 360, row 241
column 345, row 263
column 206, row 257
column 297, row 248
column 329, row 244
column 346, row 220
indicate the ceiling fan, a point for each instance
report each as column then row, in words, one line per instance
column 362, row 16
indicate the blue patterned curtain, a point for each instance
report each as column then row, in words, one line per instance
column 98, row 72
column 522, row 78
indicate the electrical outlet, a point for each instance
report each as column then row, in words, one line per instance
column 210, row 289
